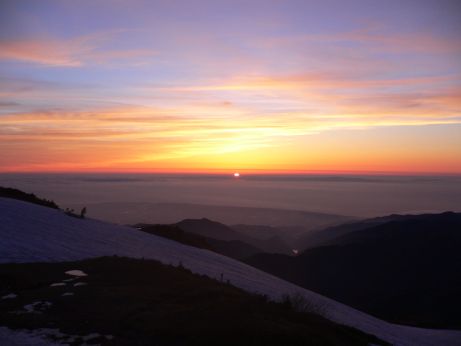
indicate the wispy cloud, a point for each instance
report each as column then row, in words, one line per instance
column 72, row 52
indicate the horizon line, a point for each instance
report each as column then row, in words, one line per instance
column 242, row 171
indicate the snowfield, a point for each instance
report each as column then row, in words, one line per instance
column 31, row 233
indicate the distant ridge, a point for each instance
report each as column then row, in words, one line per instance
column 293, row 222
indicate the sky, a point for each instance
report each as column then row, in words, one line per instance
column 217, row 86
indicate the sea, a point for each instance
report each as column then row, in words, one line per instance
column 351, row 195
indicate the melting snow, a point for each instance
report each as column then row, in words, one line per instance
column 37, row 337
column 37, row 307
column 91, row 336
column 30, row 233
column 76, row 273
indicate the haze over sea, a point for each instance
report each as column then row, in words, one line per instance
column 352, row 195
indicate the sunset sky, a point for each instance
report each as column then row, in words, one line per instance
column 208, row 86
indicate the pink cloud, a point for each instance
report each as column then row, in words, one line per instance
column 74, row 52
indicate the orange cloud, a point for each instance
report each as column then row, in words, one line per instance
column 52, row 53
column 326, row 98
column 146, row 137
column 313, row 81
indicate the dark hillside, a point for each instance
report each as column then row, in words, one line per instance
column 140, row 302
column 406, row 271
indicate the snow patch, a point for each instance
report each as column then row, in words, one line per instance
column 58, row 284
column 10, row 296
column 76, row 272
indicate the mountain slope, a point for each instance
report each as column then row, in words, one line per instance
column 31, row 233
column 143, row 302
column 406, row 270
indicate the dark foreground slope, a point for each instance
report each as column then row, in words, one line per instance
column 143, row 302
column 406, row 271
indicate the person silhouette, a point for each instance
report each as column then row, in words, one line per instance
column 83, row 212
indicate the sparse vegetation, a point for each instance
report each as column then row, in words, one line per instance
column 71, row 212
column 8, row 192
column 300, row 303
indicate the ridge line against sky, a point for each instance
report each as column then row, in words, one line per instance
column 197, row 86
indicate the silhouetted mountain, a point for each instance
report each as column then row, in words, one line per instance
column 231, row 248
column 8, row 192
column 405, row 269
column 208, row 228
column 325, row 236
